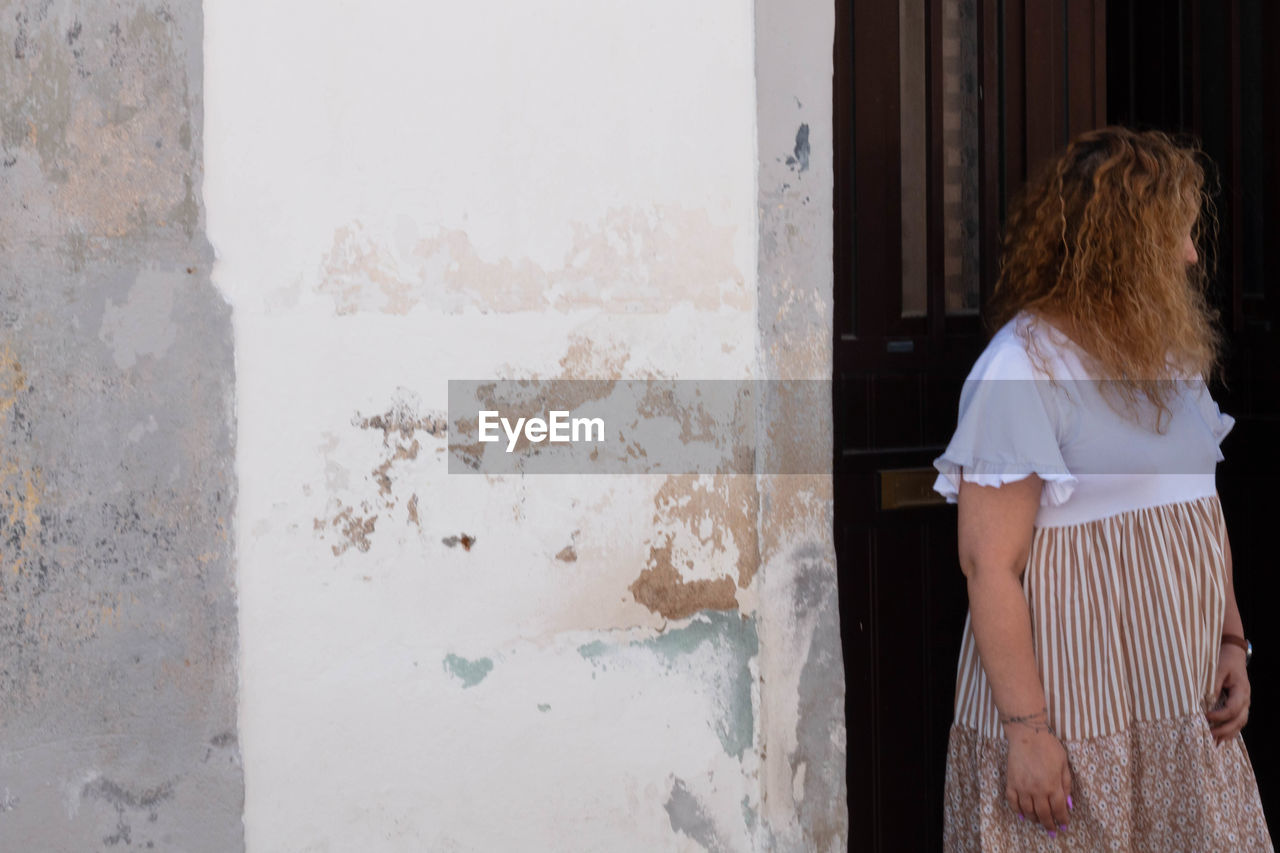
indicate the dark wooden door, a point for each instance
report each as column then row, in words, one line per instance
column 1211, row 70
column 941, row 106
column 941, row 109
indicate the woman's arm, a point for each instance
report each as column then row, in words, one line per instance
column 1231, row 679
column 995, row 529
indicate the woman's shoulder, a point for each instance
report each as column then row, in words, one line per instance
column 1009, row 353
column 1028, row 346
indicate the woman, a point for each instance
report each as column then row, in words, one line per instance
column 1102, row 686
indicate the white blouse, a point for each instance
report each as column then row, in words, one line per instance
column 1095, row 459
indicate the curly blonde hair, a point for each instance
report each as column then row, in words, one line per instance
column 1094, row 246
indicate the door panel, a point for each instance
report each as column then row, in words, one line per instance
column 900, row 362
column 1044, row 70
column 1211, row 70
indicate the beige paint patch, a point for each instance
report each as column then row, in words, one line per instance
column 633, row 260
column 361, row 275
column 702, row 523
column 586, row 358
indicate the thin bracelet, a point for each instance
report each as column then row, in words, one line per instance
column 1029, row 721
column 1236, row 640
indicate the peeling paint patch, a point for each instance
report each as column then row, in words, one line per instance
column 469, row 672
column 687, row 816
column 353, row 521
column 702, row 523
column 799, row 159
column 353, row 529
column 567, row 554
column 661, row 588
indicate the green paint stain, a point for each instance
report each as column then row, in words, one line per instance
column 470, row 672
column 724, row 637
column 593, row 650
column 543, row 708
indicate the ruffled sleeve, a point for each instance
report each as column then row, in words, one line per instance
column 1009, row 428
column 1218, row 423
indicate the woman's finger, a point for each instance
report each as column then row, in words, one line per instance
column 1027, row 805
column 1058, row 805
column 1044, row 814
column 1229, row 729
column 1237, row 701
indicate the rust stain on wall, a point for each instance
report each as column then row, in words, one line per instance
column 702, row 516
column 464, row 540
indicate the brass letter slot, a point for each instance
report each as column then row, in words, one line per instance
column 901, row 488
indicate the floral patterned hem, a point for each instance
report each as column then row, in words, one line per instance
column 1161, row 786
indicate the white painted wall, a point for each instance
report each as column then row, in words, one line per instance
column 403, row 193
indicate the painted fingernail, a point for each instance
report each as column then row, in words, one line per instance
column 1062, row 826
column 1022, row 817
column 1069, row 805
column 1052, row 834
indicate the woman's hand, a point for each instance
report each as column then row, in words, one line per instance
column 1038, row 779
column 1231, row 685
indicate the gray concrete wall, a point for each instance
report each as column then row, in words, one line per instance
column 117, row 609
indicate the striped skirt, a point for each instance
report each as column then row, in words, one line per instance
column 1126, row 614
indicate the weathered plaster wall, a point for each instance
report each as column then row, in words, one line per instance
column 803, row 724
column 117, row 612
column 400, row 194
